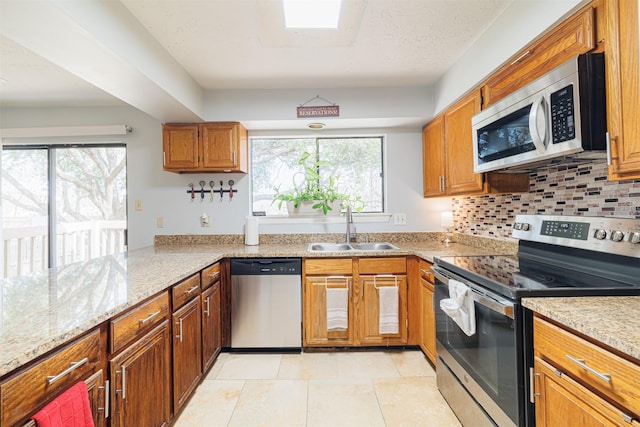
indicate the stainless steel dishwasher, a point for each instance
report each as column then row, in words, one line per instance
column 266, row 303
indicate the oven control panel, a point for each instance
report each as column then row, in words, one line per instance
column 606, row 234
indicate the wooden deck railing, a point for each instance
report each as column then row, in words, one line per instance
column 26, row 249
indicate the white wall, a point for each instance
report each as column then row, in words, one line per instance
column 520, row 23
column 163, row 194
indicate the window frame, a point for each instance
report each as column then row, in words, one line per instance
column 378, row 216
column 51, row 190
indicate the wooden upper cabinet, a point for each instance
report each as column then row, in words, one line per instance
column 180, row 147
column 575, row 36
column 460, row 178
column 205, row 147
column 623, row 93
column 433, row 158
column 447, row 154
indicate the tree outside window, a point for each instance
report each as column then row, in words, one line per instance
column 357, row 161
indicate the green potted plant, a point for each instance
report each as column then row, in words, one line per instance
column 321, row 194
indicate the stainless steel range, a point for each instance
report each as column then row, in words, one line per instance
column 484, row 335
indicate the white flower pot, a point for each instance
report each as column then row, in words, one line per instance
column 305, row 209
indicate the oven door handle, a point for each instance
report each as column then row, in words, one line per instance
column 498, row 305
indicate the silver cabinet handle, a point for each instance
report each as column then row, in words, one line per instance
column 123, row 391
column 190, row 290
column 179, row 323
column 149, row 317
column 520, row 57
column 164, row 158
column 72, row 367
column 608, row 139
column 583, row 365
column 106, row 398
column 214, row 274
column 206, row 310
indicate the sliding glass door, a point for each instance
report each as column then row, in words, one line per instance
column 62, row 204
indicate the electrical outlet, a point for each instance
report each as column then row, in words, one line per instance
column 400, row 219
column 138, row 204
column 159, row 222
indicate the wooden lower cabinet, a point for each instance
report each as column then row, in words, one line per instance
column 427, row 312
column 187, row 351
column 28, row 390
column 211, row 326
column 141, row 381
column 315, row 311
column 361, row 277
column 562, row 401
column 368, row 310
column 578, row 382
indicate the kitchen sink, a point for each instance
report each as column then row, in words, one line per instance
column 349, row 247
column 329, row 247
column 382, row 246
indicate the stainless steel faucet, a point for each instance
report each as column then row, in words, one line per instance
column 349, row 236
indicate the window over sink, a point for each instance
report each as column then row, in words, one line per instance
column 356, row 161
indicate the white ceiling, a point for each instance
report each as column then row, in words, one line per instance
column 242, row 44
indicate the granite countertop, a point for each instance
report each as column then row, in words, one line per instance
column 613, row 321
column 42, row 311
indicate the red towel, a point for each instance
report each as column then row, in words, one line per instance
column 70, row 409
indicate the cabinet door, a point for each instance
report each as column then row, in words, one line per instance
column 433, row 158
column 368, row 310
column 315, row 311
column 98, row 390
column 428, row 324
column 224, row 147
column 180, row 147
column 560, row 401
column 141, row 381
column 211, row 329
column 574, row 36
column 187, row 351
column 623, row 88
column 459, row 147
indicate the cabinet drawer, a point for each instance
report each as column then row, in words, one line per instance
column 558, row 347
column 383, row 265
column 138, row 321
column 185, row 290
column 28, row 391
column 331, row 266
column 210, row 275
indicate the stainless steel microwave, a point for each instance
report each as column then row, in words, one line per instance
column 559, row 116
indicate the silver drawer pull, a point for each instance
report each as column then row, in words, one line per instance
column 188, row 291
column 207, row 312
column 214, row 274
column 72, row 367
column 582, row 364
column 149, row 317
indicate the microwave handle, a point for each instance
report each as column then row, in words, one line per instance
column 537, row 137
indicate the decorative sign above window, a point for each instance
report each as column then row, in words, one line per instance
column 308, row 111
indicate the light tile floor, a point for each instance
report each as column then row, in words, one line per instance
column 319, row 389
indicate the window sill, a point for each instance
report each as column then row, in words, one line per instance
column 321, row 219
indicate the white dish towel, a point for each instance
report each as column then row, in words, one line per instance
column 460, row 307
column 337, row 309
column 388, row 322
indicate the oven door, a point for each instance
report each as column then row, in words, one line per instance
column 487, row 362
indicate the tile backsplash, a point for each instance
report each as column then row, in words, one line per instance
column 561, row 190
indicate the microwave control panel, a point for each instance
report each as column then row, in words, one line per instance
column 563, row 126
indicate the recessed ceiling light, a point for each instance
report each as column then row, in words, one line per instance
column 316, row 126
column 311, row 13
